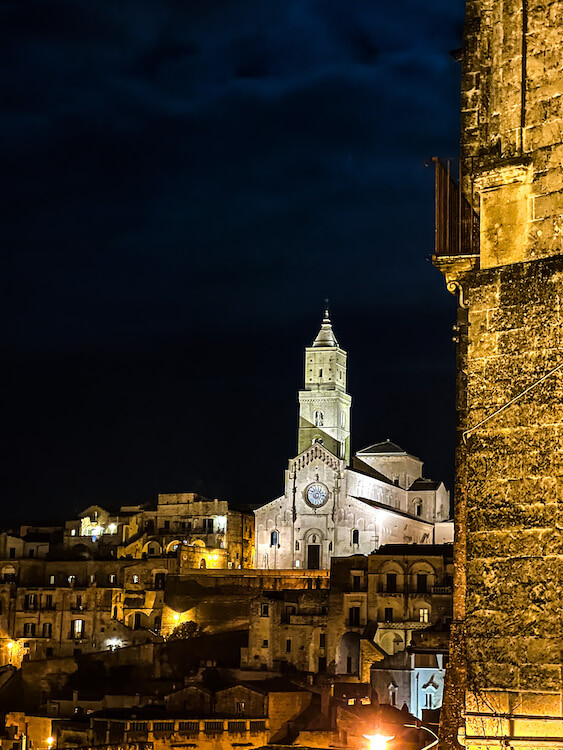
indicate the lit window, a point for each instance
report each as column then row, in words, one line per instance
column 135, row 578
column 51, row 580
column 78, row 627
column 424, row 615
column 71, row 580
column 73, row 532
column 29, row 629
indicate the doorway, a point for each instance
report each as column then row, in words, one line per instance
column 314, row 556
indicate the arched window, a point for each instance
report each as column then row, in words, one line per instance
column 418, row 506
column 274, row 538
column 318, row 418
column 202, row 563
column 355, row 536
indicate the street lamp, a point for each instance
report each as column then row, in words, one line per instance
column 378, row 741
column 433, row 743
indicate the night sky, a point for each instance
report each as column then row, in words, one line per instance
column 184, row 182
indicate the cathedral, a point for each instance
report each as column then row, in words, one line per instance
column 335, row 504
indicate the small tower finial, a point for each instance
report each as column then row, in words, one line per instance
column 326, row 309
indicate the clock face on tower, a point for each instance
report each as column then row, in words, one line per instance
column 316, row 495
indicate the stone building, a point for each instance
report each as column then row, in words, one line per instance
column 214, row 533
column 378, row 610
column 330, row 508
column 378, row 603
column 505, row 261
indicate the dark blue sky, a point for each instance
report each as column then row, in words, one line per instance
column 184, row 183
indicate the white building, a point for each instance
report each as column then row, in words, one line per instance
column 330, row 508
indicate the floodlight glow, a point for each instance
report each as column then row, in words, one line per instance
column 377, row 741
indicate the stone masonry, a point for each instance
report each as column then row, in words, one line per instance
column 505, row 683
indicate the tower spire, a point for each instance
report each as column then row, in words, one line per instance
column 325, row 336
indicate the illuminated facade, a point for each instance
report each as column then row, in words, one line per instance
column 505, row 261
column 330, row 508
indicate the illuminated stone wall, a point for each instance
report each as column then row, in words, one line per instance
column 506, row 660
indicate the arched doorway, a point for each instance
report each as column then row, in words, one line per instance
column 348, row 654
column 313, row 549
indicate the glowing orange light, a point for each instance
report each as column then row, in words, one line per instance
column 176, row 617
column 377, row 741
column 50, row 741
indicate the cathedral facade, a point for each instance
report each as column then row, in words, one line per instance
column 335, row 504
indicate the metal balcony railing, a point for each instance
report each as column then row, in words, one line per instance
column 457, row 224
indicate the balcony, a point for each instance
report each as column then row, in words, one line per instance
column 442, row 590
column 457, row 224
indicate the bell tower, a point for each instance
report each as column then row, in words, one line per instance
column 499, row 245
column 324, row 405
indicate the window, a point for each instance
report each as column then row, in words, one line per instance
column 12, row 553
column 49, row 601
column 274, row 539
column 320, row 373
column 297, row 546
column 137, row 621
column 265, row 610
column 424, row 615
column 356, row 582
column 354, row 615
column 330, row 546
column 135, row 578
column 51, row 580
column 349, row 664
column 47, row 630
column 112, row 578
column 71, row 580
column 388, row 614
column 157, row 624
column 73, row 532
column 167, row 524
column 265, row 643
column 78, row 604
column 208, row 525
column 322, row 664
column 342, row 415
column 355, row 536
column 393, row 697
column 49, row 651
column 428, row 700
column 421, row 583
column 322, row 640
column 30, row 601
column 77, row 629
column 28, row 629
column 391, row 580
column 318, row 418
column 240, row 708
column 31, row 553
column 418, row 507
column 159, row 581
column 288, row 646
column 92, row 579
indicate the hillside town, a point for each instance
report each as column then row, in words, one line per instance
column 309, row 621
